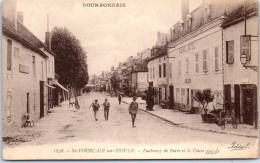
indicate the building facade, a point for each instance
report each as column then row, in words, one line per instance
column 240, row 81
column 158, row 72
column 139, row 79
column 24, row 71
column 28, row 71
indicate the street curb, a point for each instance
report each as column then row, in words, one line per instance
column 192, row 128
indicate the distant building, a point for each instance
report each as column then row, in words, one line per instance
column 139, row 81
column 162, row 38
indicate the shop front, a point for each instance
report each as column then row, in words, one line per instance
column 244, row 98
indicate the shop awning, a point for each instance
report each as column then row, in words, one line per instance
column 58, row 84
column 49, row 86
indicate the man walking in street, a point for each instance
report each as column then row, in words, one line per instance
column 133, row 110
column 95, row 106
column 119, row 99
column 106, row 105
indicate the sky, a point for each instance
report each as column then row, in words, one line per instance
column 109, row 35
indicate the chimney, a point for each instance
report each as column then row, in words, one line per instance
column 20, row 17
column 184, row 8
column 9, row 11
column 48, row 35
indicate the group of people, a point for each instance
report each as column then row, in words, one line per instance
column 132, row 109
column 96, row 106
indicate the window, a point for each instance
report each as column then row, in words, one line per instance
column 179, row 64
column 197, row 68
column 216, row 58
column 153, row 73
column 182, row 95
column 164, row 69
column 52, row 67
column 205, row 60
column 170, row 70
column 150, row 72
column 34, row 67
column 49, row 67
column 178, row 94
column 187, row 66
column 9, row 55
column 230, row 52
column 160, row 71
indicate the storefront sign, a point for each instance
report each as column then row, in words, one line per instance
column 245, row 46
column 187, row 80
column 24, row 69
column 186, row 48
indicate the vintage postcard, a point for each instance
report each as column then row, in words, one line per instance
column 130, row 79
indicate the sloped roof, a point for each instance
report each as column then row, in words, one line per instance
column 161, row 52
column 237, row 14
column 25, row 36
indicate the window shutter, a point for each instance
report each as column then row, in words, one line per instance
column 216, row 58
column 160, row 71
column 197, row 62
column 230, row 52
column 9, row 55
column 205, row 64
column 164, row 69
column 187, row 66
column 153, row 72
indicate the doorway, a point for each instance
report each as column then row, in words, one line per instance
column 41, row 99
column 28, row 103
column 160, row 96
column 171, row 97
column 248, row 106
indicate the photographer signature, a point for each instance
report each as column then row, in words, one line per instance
column 235, row 146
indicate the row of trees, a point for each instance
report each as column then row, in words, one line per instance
column 70, row 62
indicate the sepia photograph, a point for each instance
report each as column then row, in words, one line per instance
column 130, row 79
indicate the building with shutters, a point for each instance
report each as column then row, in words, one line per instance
column 28, row 71
column 158, row 73
column 206, row 47
column 241, row 81
column 196, row 49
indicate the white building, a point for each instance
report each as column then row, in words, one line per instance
column 241, row 83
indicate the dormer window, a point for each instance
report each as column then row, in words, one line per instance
column 189, row 21
column 181, row 27
column 207, row 12
column 172, row 33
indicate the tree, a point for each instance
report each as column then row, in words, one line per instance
column 70, row 61
column 204, row 98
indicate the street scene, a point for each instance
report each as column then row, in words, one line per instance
column 67, row 124
column 130, row 79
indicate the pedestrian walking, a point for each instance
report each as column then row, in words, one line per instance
column 106, row 105
column 119, row 99
column 95, row 106
column 133, row 110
